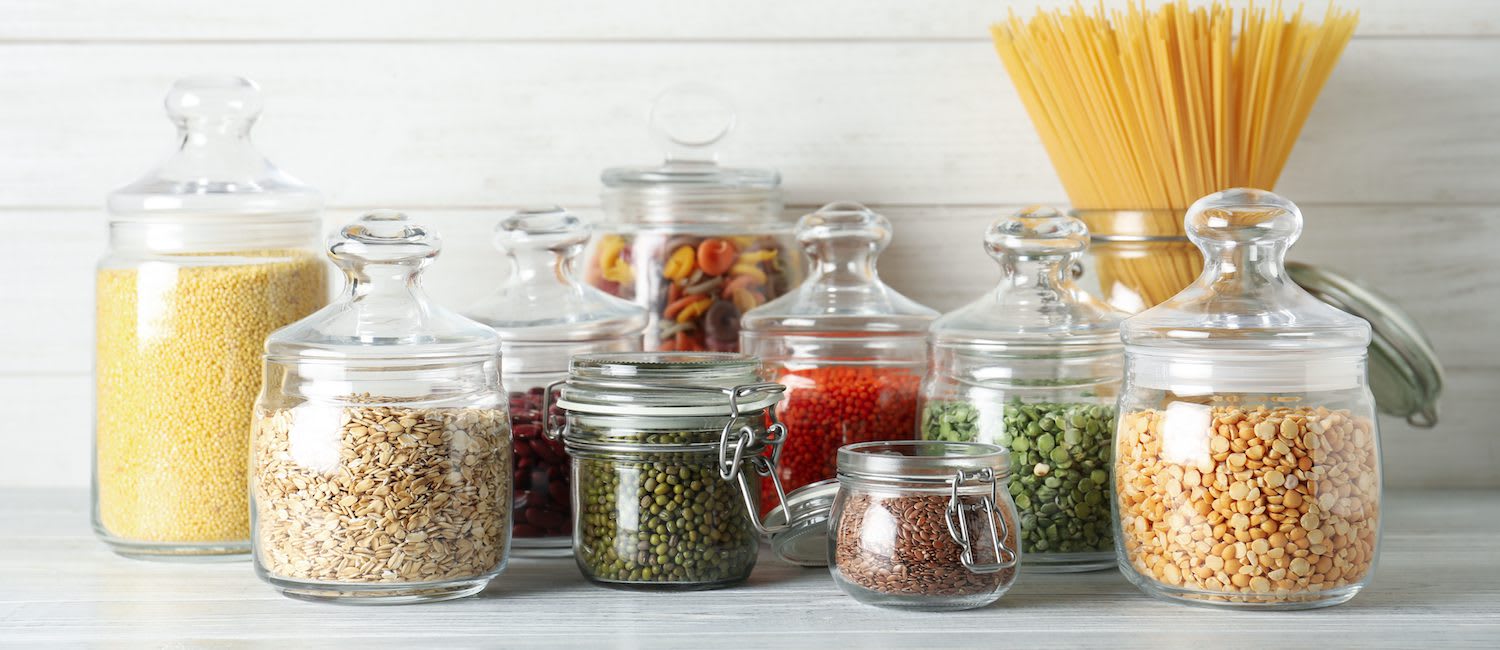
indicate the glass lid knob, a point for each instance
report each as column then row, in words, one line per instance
column 691, row 121
column 384, row 237
column 548, row 228
column 1037, row 232
column 213, row 100
column 1243, row 216
column 843, row 229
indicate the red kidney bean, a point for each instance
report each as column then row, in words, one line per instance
column 542, row 500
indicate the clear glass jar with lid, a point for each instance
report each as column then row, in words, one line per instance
column 1247, row 468
column 208, row 253
column 544, row 316
column 850, row 350
column 381, row 453
column 666, row 447
column 1034, row 366
column 925, row 525
column 695, row 243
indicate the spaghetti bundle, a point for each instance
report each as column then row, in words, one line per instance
column 1146, row 111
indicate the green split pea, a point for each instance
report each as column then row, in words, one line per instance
column 663, row 518
column 1060, row 458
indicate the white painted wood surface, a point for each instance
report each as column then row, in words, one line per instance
column 457, row 110
column 1437, row 584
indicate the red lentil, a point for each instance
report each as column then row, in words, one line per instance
column 829, row 407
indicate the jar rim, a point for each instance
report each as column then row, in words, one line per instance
column 920, row 461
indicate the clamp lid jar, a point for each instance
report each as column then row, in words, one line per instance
column 850, row 349
column 209, row 252
column 695, row 243
column 1247, row 469
column 1034, row 366
column 664, row 447
column 544, row 316
column 925, row 525
column 381, row 451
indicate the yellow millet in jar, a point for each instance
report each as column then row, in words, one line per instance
column 177, row 369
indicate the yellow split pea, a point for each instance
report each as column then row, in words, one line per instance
column 177, row 371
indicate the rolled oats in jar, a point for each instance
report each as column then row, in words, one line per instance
column 381, row 452
column 1247, row 468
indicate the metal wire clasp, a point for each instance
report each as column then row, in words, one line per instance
column 998, row 527
column 547, row 419
column 739, row 441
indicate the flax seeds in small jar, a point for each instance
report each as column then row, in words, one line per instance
column 924, row 525
column 1247, row 469
column 380, row 457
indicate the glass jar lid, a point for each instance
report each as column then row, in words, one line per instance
column 1406, row 375
column 543, row 302
column 665, row 384
column 690, row 123
column 921, row 461
column 844, row 295
column 804, row 539
column 1037, row 303
column 383, row 316
column 1244, row 300
column 216, row 173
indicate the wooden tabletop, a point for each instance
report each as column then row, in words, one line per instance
column 1437, row 585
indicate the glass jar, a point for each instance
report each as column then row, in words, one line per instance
column 381, row 452
column 850, row 350
column 1247, row 468
column 923, row 525
column 544, row 316
column 1034, row 366
column 664, row 447
column 1139, row 257
column 208, row 253
column 696, row 244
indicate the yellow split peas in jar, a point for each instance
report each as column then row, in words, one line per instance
column 177, row 370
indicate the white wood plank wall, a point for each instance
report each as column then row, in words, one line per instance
column 456, row 111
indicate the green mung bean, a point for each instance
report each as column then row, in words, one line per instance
column 661, row 518
column 1060, row 458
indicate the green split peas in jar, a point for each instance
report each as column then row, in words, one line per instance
column 1034, row 366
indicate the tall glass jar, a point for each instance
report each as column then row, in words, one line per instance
column 381, row 452
column 1034, row 366
column 696, row 244
column 1247, row 467
column 850, row 350
column 923, row 525
column 208, row 253
column 544, row 316
column 665, row 449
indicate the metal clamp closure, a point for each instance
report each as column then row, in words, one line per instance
column 998, row 527
column 548, row 420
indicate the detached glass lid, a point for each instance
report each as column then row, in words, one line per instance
column 383, row 314
column 216, row 171
column 844, row 295
column 1037, row 302
column 543, row 302
column 690, row 123
column 1244, row 301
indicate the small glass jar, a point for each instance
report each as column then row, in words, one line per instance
column 1247, row 467
column 208, row 253
column 923, row 525
column 850, row 350
column 696, row 244
column 381, row 452
column 1034, row 366
column 544, row 316
column 665, row 447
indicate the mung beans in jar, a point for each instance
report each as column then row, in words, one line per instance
column 665, row 465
